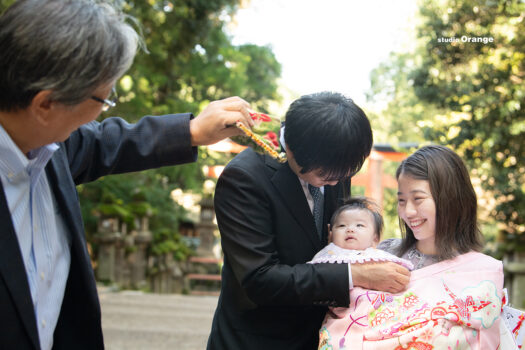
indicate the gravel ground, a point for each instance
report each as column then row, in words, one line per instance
column 134, row 320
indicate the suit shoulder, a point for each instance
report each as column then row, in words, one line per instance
column 250, row 162
column 247, row 156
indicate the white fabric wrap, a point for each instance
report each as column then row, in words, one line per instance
column 336, row 255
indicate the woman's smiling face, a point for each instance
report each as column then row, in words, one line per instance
column 416, row 207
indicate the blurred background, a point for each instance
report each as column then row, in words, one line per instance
column 439, row 71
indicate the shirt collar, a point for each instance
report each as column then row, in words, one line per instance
column 13, row 161
column 281, row 138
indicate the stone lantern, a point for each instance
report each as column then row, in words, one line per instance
column 142, row 238
column 206, row 228
column 515, row 278
column 107, row 236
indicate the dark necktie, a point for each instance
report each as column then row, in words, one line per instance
column 318, row 208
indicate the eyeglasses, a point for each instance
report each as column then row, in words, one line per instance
column 109, row 102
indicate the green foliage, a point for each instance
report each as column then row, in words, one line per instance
column 468, row 95
column 4, row 4
column 189, row 62
column 481, row 87
column 403, row 117
column 165, row 242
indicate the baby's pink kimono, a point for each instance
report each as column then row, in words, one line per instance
column 454, row 304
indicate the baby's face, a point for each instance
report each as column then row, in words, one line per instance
column 354, row 229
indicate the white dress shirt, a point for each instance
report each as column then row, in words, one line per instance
column 42, row 236
column 310, row 201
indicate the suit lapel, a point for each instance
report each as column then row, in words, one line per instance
column 331, row 198
column 65, row 194
column 13, row 271
column 63, row 188
column 289, row 187
column 291, row 192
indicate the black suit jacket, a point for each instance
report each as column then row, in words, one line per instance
column 96, row 149
column 271, row 299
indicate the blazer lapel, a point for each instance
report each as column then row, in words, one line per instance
column 13, row 271
column 290, row 190
column 330, row 204
column 63, row 187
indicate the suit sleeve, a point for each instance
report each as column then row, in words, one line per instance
column 114, row 146
column 244, row 217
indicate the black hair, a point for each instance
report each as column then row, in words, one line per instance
column 457, row 230
column 327, row 131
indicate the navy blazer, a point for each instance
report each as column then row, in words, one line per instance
column 94, row 150
column 271, row 299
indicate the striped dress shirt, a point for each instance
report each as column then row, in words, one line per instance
column 310, row 201
column 42, row 236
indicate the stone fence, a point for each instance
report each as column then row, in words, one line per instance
column 123, row 260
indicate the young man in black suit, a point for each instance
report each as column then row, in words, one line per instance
column 266, row 212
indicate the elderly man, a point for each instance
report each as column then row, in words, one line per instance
column 60, row 61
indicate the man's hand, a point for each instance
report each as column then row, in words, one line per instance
column 217, row 121
column 386, row 276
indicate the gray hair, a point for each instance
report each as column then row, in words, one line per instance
column 70, row 47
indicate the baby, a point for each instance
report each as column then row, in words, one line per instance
column 356, row 225
column 354, row 232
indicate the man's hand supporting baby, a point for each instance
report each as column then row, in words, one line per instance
column 384, row 276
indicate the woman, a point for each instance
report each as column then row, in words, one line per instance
column 454, row 296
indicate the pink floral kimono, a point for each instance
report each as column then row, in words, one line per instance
column 454, row 304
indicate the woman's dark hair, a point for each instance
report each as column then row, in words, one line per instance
column 457, row 231
column 362, row 203
column 329, row 132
